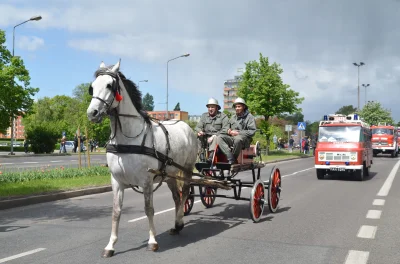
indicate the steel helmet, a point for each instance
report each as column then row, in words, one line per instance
column 239, row 101
column 213, row 101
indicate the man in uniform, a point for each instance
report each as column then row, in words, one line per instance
column 211, row 123
column 239, row 131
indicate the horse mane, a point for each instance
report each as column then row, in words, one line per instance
column 134, row 93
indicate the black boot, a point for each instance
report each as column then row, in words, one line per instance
column 210, row 157
column 231, row 158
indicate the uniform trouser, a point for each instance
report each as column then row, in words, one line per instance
column 225, row 142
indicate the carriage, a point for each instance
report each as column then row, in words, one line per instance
column 221, row 175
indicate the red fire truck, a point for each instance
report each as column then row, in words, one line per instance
column 384, row 139
column 344, row 145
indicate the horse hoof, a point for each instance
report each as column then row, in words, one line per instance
column 152, row 247
column 179, row 227
column 107, row 253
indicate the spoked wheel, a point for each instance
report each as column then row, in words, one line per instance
column 187, row 207
column 274, row 189
column 207, row 196
column 257, row 201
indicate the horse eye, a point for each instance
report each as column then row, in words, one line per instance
column 109, row 86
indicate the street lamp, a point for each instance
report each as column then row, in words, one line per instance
column 365, row 87
column 142, row 81
column 35, row 18
column 358, row 65
column 184, row 55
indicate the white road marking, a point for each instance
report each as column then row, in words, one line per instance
column 170, row 209
column 378, row 202
column 357, row 257
column 374, row 214
column 21, row 255
column 56, row 161
column 161, row 212
column 389, row 180
column 6, row 163
column 367, row 231
column 30, row 162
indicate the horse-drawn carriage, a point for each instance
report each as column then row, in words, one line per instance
column 143, row 151
column 219, row 174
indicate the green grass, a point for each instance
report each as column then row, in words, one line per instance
column 279, row 155
column 8, row 190
column 47, row 179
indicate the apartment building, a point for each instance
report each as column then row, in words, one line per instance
column 161, row 115
column 19, row 129
column 230, row 92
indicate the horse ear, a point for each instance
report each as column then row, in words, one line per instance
column 102, row 65
column 116, row 66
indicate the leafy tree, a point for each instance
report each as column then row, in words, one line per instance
column 293, row 119
column 373, row 113
column 177, row 107
column 148, row 102
column 192, row 124
column 15, row 91
column 346, row 110
column 265, row 93
column 42, row 139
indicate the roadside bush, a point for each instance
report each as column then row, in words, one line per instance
column 42, row 139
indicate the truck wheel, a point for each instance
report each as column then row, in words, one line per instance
column 359, row 174
column 366, row 170
column 320, row 174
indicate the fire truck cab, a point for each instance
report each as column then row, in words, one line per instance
column 344, row 145
column 384, row 139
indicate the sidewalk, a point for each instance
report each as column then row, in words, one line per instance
column 34, row 199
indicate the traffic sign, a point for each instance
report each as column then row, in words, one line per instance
column 288, row 127
column 301, row 126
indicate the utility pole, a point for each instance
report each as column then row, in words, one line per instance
column 358, row 89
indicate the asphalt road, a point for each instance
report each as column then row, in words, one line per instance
column 335, row 220
column 29, row 162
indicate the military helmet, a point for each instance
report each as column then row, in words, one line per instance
column 213, row 101
column 240, row 101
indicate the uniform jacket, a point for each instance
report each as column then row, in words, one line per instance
column 212, row 125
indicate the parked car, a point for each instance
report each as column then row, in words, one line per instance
column 69, row 146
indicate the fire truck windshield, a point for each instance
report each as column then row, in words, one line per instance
column 339, row 134
column 382, row 131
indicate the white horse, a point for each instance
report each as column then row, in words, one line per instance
column 138, row 143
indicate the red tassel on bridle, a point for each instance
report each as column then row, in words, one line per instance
column 118, row 97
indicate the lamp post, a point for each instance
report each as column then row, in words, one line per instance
column 358, row 90
column 184, row 55
column 365, row 87
column 142, row 81
column 35, row 18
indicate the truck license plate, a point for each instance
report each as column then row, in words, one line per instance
column 337, row 169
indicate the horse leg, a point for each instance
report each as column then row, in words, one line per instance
column 152, row 245
column 177, row 196
column 179, row 224
column 118, row 194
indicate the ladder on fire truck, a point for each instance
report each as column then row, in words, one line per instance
column 340, row 119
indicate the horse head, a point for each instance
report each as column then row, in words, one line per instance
column 105, row 91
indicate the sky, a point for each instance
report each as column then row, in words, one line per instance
column 316, row 43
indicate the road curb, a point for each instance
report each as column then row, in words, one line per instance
column 11, row 203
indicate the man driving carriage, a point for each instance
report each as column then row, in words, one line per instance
column 238, row 132
column 210, row 125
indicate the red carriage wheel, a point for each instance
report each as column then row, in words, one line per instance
column 207, row 196
column 257, row 200
column 274, row 189
column 187, row 207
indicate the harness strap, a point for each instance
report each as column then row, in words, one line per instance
column 136, row 149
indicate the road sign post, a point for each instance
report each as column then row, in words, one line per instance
column 301, row 126
column 288, row 128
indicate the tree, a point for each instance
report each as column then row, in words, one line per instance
column 346, row 110
column 148, row 102
column 293, row 119
column 177, row 107
column 373, row 113
column 227, row 113
column 15, row 91
column 265, row 93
